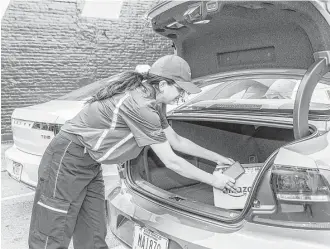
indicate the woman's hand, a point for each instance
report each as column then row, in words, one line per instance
column 225, row 161
column 222, row 182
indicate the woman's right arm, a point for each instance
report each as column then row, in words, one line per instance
column 186, row 169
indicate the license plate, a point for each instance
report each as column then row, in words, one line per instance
column 17, row 170
column 146, row 239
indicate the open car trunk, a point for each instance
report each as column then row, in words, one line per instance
column 250, row 145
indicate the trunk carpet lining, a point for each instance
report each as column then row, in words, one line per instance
column 199, row 192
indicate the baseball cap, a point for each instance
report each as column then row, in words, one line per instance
column 175, row 68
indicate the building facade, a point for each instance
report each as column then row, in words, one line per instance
column 49, row 48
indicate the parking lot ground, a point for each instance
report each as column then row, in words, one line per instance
column 16, row 206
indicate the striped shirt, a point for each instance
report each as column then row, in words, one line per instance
column 116, row 129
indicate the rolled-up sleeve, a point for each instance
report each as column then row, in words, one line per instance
column 145, row 125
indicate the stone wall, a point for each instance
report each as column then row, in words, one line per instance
column 48, row 49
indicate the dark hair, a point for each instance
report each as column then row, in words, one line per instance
column 128, row 81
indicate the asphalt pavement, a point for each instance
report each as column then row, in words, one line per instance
column 16, row 206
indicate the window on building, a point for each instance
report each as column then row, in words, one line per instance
column 106, row 9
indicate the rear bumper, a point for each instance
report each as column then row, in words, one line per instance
column 30, row 164
column 187, row 231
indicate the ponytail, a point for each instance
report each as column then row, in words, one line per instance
column 128, row 81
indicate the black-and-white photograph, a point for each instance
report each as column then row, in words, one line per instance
column 153, row 124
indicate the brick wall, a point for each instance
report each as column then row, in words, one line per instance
column 48, row 49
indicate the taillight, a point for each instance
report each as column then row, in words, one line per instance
column 47, row 127
column 57, row 128
column 293, row 184
column 294, row 197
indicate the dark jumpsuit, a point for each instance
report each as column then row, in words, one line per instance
column 69, row 199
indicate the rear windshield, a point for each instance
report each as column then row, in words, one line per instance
column 86, row 92
column 259, row 88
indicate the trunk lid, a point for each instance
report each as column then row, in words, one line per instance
column 216, row 36
column 35, row 126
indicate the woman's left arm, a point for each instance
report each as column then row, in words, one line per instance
column 186, row 146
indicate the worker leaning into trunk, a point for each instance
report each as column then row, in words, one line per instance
column 113, row 127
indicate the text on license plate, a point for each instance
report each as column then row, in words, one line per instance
column 146, row 239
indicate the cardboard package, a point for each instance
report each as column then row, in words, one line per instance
column 228, row 200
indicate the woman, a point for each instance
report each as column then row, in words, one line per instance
column 114, row 126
